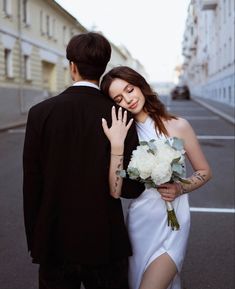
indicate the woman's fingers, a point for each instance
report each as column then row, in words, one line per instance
column 124, row 117
column 113, row 114
column 167, row 191
column 129, row 123
column 105, row 126
column 120, row 114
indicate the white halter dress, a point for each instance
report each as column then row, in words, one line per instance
column 147, row 225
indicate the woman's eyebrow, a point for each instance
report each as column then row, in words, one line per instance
column 123, row 90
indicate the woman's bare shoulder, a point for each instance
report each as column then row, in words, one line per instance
column 179, row 124
column 178, row 127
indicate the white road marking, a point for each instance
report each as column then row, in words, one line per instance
column 186, row 109
column 202, row 117
column 16, row 130
column 212, row 210
column 227, row 137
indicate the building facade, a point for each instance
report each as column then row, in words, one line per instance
column 33, row 65
column 208, row 50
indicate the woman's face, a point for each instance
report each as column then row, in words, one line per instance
column 126, row 95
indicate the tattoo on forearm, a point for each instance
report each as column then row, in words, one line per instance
column 196, row 180
column 199, row 176
column 117, row 177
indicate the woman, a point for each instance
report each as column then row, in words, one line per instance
column 158, row 252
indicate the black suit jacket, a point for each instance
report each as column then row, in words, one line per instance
column 69, row 213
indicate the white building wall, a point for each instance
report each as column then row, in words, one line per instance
column 209, row 69
column 41, row 38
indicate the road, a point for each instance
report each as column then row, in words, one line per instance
column 209, row 261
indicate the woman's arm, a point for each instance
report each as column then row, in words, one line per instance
column 202, row 171
column 116, row 135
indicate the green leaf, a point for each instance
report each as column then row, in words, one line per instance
column 176, row 160
column 143, row 143
column 177, row 143
column 133, row 173
column 150, row 151
column 121, row 173
column 152, row 146
column 168, row 142
column 177, row 168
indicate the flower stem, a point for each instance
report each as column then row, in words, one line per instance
column 172, row 220
column 171, row 217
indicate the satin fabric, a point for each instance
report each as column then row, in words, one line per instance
column 147, row 225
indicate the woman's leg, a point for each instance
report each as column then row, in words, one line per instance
column 159, row 273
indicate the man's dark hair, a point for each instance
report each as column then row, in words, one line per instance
column 91, row 53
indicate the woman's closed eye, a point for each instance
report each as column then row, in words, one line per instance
column 130, row 90
column 118, row 99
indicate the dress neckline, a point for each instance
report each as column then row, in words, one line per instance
column 148, row 118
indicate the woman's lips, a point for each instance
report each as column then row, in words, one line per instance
column 134, row 105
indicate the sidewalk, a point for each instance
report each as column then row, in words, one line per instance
column 13, row 125
column 223, row 110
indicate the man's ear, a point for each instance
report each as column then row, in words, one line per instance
column 73, row 66
column 73, row 70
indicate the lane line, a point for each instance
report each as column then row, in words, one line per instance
column 16, row 131
column 227, row 137
column 212, row 210
column 186, row 109
column 202, row 117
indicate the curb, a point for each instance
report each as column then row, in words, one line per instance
column 12, row 125
column 216, row 111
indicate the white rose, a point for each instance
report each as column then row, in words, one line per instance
column 166, row 153
column 161, row 173
column 143, row 161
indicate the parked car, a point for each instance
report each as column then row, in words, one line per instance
column 180, row 92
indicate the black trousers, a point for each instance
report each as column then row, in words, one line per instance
column 69, row 276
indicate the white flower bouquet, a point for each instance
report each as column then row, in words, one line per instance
column 157, row 162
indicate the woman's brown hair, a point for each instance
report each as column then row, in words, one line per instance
column 153, row 106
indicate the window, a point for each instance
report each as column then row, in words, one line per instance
column 229, row 94
column 25, row 12
column 229, row 7
column 225, row 55
column 230, row 53
column 65, row 35
column 49, row 26
column 27, row 68
column 54, row 26
column 191, row 30
column 42, row 22
column 7, row 8
column 224, row 8
column 8, row 63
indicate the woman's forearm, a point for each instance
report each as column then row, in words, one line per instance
column 197, row 179
column 115, row 181
column 116, row 164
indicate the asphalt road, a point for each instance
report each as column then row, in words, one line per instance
column 209, row 261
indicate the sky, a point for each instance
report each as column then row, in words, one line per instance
column 152, row 30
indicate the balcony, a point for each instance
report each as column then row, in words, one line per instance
column 209, row 4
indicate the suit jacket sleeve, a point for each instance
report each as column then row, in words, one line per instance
column 32, row 177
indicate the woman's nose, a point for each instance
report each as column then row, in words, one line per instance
column 128, row 99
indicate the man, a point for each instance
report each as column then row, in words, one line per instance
column 74, row 228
